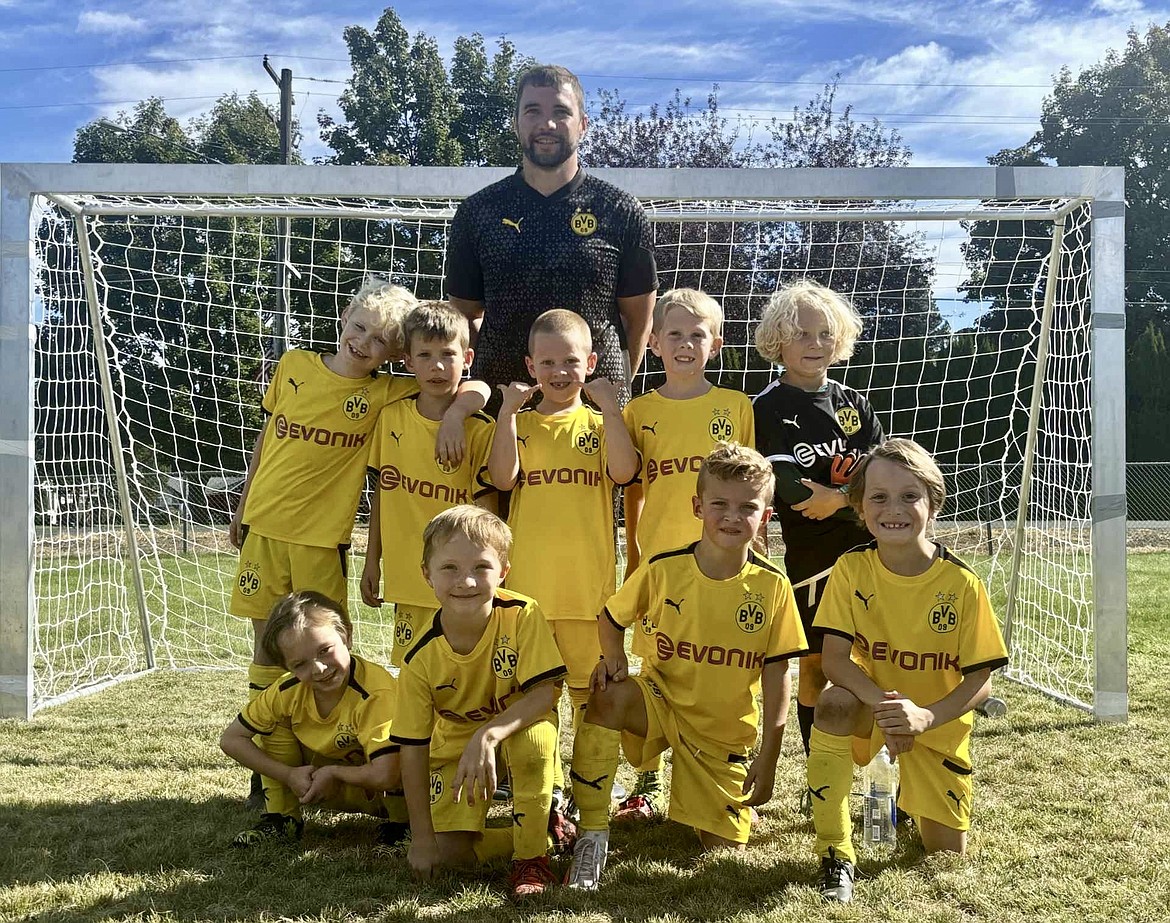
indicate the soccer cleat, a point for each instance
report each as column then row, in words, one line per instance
column 589, row 855
column 255, row 800
column 645, row 803
column 562, row 832
column 530, row 877
column 836, row 878
column 390, row 834
column 270, row 827
column 503, row 790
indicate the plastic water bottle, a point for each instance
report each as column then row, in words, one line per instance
column 881, row 794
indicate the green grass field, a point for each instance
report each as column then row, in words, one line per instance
column 118, row 806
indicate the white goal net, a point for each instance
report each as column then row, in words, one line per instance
column 156, row 316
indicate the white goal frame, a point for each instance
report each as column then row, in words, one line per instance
column 1102, row 188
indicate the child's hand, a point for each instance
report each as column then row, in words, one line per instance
column 515, row 395
column 896, row 715
column 761, row 779
column 423, row 857
column 603, row 393
column 823, row 503
column 451, row 442
column 324, row 785
column 371, row 582
column 300, row 779
column 476, row 773
column 613, row 670
column 236, row 529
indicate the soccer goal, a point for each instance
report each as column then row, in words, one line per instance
column 141, row 307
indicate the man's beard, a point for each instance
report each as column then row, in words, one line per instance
column 552, row 158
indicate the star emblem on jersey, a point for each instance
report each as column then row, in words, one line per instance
column 249, row 581
column 721, row 427
column 584, row 224
column 750, row 615
column 356, row 405
column 436, row 786
column 946, row 597
column 944, row 617
column 849, row 420
column 504, row 661
column 509, row 223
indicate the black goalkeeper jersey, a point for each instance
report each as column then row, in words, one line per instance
column 820, row 436
column 522, row 253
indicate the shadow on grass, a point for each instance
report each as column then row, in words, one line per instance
column 82, row 862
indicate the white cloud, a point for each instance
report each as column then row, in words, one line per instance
column 1119, row 6
column 97, row 21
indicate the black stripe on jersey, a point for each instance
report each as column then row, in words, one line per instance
column 555, row 673
column 498, row 603
column 956, row 768
column 411, row 741
column 738, row 758
column 864, row 546
column 834, row 631
column 383, row 751
column 689, row 549
column 353, row 683
column 612, row 620
column 480, row 415
column 257, row 687
column 289, row 683
column 761, row 561
column 240, row 718
column 992, row 665
column 435, row 631
column 948, row 555
column 802, row 652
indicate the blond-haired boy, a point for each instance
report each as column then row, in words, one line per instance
column 412, row 486
column 674, row 427
column 901, row 594
column 483, row 677
column 725, row 626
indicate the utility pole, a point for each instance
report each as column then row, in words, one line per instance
column 278, row 342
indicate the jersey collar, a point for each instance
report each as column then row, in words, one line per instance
column 564, row 192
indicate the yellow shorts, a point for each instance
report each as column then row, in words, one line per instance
column 410, row 623
column 269, row 569
column 706, row 782
column 931, row 784
column 579, row 646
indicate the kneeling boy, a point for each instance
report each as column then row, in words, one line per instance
column 484, row 674
column 905, row 593
column 725, row 622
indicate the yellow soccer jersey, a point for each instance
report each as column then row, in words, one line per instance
column 316, row 448
column 673, row 437
column 413, row 488
column 447, row 695
column 562, row 514
column 711, row 639
column 355, row 732
column 920, row 635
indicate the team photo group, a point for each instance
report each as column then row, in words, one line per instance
column 496, row 450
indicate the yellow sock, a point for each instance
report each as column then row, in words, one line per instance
column 281, row 745
column 496, row 843
column 595, row 760
column 830, row 777
column 530, row 755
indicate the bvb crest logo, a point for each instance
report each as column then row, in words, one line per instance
column 750, row 615
column 944, row 617
column 647, row 625
column 587, row 441
column 849, row 420
column 403, row 632
column 504, row 662
column 584, row 224
column 356, row 406
column 436, row 786
column 249, row 581
column 345, row 741
column 447, row 467
column 721, row 427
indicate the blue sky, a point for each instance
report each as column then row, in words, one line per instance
column 959, row 80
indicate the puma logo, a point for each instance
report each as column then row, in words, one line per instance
column 516, row 818
column 397, row 437
column 676, row 606
column 508, row 222
column 650, row 429
column 795, row 421
column 595, row 784
column 864, row 599
column 816, row 792
column 450, row 685
column 523, row 440
column 732, row 810
column 296, row 385
column 956, row 799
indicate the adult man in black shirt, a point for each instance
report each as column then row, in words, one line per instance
column 551, row 236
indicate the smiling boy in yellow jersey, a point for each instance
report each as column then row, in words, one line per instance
column 726, row 625
column 483, row 677
column 674, row 428
column 412, row 486
column 296, row 511
column 910, row 643
column 563, row 457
